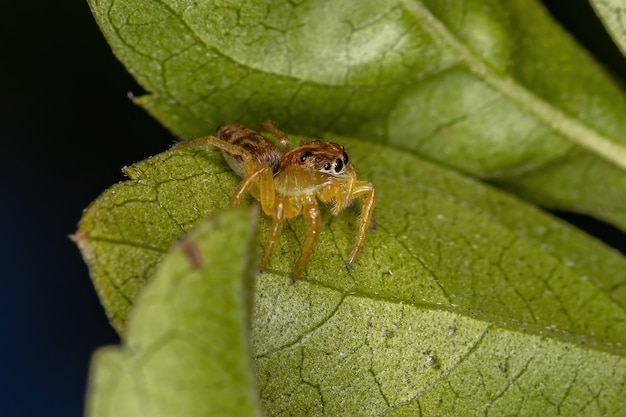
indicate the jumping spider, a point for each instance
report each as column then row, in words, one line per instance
column 288, row 182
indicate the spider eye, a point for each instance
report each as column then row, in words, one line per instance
column 345, row 158
column 304, row 156
column 338, row 165
column 327, row 166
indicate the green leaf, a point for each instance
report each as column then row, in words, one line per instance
column 125, row 233
column 187, row 349
column 613, row 14
column 355, row 355
column 463, row 301
column 491, row 88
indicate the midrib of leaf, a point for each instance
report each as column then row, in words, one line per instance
column 569, row 127
column 491, row 321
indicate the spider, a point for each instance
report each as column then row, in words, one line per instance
column 289, row 182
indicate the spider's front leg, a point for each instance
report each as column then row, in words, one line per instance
column 278, row 217
column 366, row 191
column 311, row 213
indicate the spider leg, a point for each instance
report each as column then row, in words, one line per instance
column 366, row 191
column 279, row 134
column 342, row 193
column 195, row 142
column 253, row 173
column 277, row 226
column 311, row 213
column 218, row 143
column 264, row 179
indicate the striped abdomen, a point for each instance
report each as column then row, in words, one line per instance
column 263, row 150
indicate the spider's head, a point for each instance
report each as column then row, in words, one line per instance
column 319, row 156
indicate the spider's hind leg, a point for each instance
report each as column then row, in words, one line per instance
column 366, row 191
column 214, row 141
column 282, row 137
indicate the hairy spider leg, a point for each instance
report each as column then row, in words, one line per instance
column 278, row 218
column 340, row 192
column 311, row 213
column 261, row 175
column 282, row 137
column 366, row 191
column 286, row 209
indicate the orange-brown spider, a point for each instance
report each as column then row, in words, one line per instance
column 288, row 182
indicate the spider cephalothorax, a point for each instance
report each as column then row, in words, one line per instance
column 290, row 182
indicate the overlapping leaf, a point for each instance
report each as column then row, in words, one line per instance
column 492, row 88
column 459, row 283
column 613, row 14
column 187, row 350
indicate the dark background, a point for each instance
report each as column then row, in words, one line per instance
column 67, row 128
